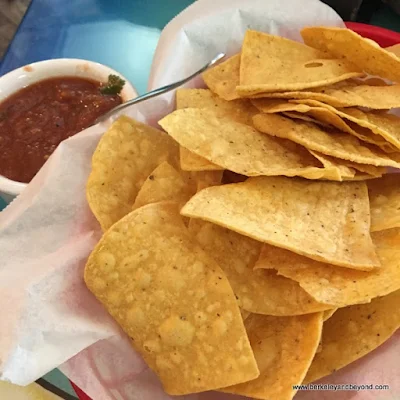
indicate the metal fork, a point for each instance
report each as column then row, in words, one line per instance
column 160, row 90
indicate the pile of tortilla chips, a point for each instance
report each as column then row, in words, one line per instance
column 254, row 245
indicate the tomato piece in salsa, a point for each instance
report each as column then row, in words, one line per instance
column 36, row 119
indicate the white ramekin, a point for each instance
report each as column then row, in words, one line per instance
column 25, row 76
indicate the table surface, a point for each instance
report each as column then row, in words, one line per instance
column 120, row 33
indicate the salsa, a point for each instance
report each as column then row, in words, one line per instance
column 36, row 119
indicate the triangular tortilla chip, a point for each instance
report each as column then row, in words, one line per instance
column 166, row 183
column 352, row 332
column 260, row 292
column 126, row 154
column 352, row 95
column 192, row 162
column 340, row 286
column 329, row 162
column 377, row 125
column 284, row 348
column 326, row 221
column 336, row 144
column 172, row 300
column 241, row 148
column 349, row 45
column 223, row 78
column 326, row 114
column 272, row 63
column 239, row 110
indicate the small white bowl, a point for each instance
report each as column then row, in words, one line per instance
column 32, row 73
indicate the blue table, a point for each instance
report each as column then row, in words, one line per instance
column 120, row 33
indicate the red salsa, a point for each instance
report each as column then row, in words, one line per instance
column 36, row 119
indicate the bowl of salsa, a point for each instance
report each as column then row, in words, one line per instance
column 44, row 103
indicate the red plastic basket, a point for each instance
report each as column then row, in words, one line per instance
column 384, row 37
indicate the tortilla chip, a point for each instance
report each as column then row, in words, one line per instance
column 347, row 44
column 126, row 154
column 374, row 97
column 284, row 348
column 239, row 110
column 240, row 148
column 368, row 169
column 384, row 197
column 353, row 332
column 326, row 114
column 395, row 49
column 192, row 162
column 336, row 144
column 165, row 183
column 350, row 170
column 331, row 162
column 260, row 292
column 223, row 78
column 326, row 221
column 377, row 125
column 272, row 63
column 360, row 176
column 303, row 117
column 172, row 300
column 340, row 286
column 328, row 313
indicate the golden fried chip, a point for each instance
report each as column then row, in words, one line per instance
column 383, row 126
column 353, row 332
column 303, row 117
column 331, row 162
column 384, row 197
column 328, row 313
column 395, row 49
column 374, row 97
column 173, row 300
column 368, row 169
column 326, row 221
column 260, row 292
column 350, row 170
column 223, row 78
column 349, row 45
column 340, row 286
column 166, row 183
column 239, row 110
column 240, row 148
column 360, row 176
column 192, row 162
column 284, row 348
column 326, row 114
column 126, row 154
column 336, row 144
column 272, row 63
